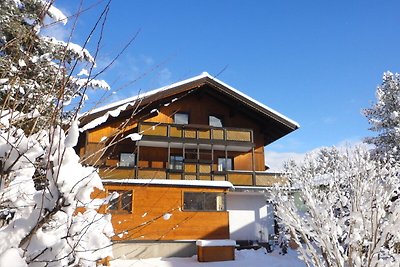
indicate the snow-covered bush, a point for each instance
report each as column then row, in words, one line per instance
column 45, row 225
column 47, row 217
column 350, row 210
column 384, row 116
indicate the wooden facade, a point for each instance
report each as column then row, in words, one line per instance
column 157, row 213
column 201, row 130
column 241, row 140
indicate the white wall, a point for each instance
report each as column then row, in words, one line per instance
column 250, row 217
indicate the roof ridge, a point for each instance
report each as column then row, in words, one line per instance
column 145, row 94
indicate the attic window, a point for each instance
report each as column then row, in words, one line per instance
column 181, row 118
column 214, row 121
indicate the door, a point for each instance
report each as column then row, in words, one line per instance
column 250, row 217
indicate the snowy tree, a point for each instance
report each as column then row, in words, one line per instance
column 36, row 70
column 349, row 210
column 47, row 217
column 384, row 116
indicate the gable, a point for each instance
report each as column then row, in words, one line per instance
column 272, row 124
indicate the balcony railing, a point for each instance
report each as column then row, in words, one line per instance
column 200, row 132
column 238, row 178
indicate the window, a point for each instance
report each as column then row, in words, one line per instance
column 127, row 160
column 122, row 203
column 176, row 162
column 181, row 118
column 203, row 201
column 190, row 155
column 214, row 121
column 224, row 164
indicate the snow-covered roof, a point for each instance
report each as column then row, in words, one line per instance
column 280, row 124
column 135, row 98
column 193, row 183
column 253, row 100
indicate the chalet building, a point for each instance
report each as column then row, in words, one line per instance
column 187, row 161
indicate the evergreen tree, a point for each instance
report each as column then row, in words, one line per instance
column 35, row 70
column 384, row 116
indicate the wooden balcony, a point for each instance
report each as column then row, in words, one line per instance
column 190, row 132
column 238, row 178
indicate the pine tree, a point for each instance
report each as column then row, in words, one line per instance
column 384, row 116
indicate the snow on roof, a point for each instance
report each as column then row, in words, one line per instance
column 130, row 101
column 253, row 100
column 198, row 183
column 125, row 103
column 133, row 99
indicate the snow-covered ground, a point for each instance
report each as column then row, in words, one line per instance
column 247, row 258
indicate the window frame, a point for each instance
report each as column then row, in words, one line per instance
column 120, row 209
column 127, row 153
column 204, row 206
column 220, row 118
column 176, row 114
column 230, row 159
column 173, row 163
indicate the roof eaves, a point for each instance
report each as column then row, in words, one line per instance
column 146, row 94
column 116, row 107
column 258, row 105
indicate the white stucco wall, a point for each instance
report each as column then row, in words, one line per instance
column 250, row 217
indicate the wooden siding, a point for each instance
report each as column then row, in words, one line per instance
column 210, row 254
column 153, row 157
column 97, row 151
column 151, row 202
column 116, row 173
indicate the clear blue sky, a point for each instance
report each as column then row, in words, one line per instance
column 317, row 62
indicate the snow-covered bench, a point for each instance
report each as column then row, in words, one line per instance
column 215, row 250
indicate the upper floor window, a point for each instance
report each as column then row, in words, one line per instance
column 204, row 201
column 176, row 162
column 224, row 164
column 181, row 118
column 214, row 121
column 127, row 160
column 122, row 203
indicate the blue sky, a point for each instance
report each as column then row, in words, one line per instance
column 317, row 62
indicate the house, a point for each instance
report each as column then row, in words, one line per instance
column 187, row 161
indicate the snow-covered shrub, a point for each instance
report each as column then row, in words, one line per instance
column 351, row 211
column 45, row 225
column 47, row 217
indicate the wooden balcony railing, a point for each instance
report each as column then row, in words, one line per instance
column 239, row 178
column 201, row 132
